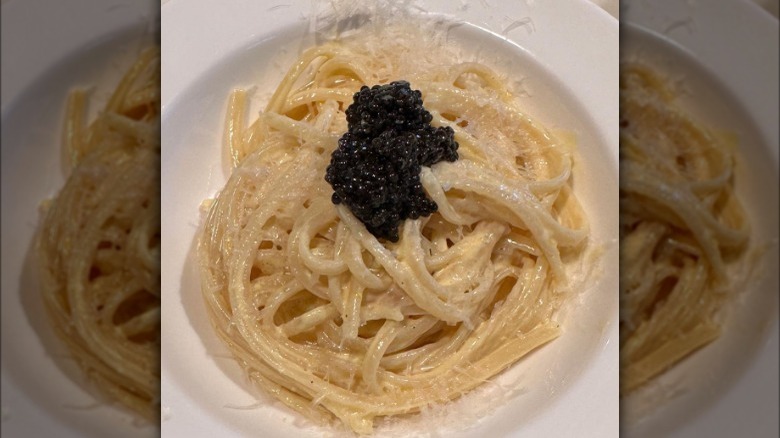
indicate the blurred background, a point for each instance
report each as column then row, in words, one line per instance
column 718, row 60
column 50, row 48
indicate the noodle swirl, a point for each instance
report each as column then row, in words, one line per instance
column 336, row 323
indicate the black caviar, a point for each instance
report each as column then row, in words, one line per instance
column 376, row 169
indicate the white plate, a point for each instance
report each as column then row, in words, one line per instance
column 44, row 56
column 724, row 55
column 566, row 55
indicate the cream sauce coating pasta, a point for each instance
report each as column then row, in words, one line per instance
column 338, row 324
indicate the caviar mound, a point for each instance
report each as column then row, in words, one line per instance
column 375, row 171
column 393, row 106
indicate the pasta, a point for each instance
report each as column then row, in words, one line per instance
column 681, row 227
column 99, row 243
column 338, row 324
